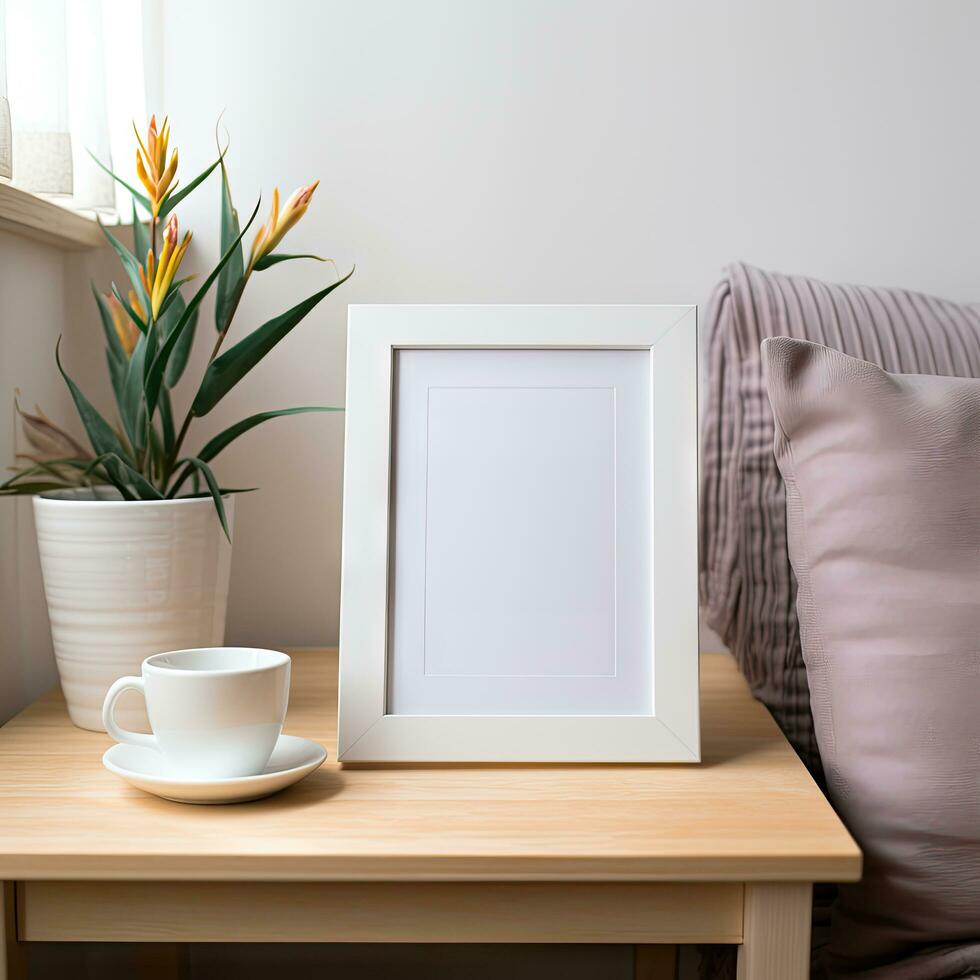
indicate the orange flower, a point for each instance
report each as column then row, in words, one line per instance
column 158, row 273
column 154, row 172
column 127, row 331
column 134, row 302
column 274, row 230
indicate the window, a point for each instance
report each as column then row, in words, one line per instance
column 71, row 82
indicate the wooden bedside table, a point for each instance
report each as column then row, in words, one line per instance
column 721, row 852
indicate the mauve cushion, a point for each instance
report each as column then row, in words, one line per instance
column 882, row 475
column 747, row 590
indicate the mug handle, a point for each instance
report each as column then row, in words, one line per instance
column 108, row 710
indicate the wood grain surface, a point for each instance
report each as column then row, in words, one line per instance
column 749, row 812
column 380, row 912
column 776, row 927
column 26, row 214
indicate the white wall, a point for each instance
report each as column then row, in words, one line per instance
column 44, row 294
column 32, row 310
column 509, row 151
column 553, row 151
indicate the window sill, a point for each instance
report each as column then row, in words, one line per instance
column 23, row 213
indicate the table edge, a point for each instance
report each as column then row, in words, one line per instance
column 842, row 868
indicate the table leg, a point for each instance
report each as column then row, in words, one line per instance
column 655, row 963
column 13, row 953
column 775, row 932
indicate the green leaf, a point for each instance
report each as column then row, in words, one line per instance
column 124, row 477
column 181, row 352
column 142, row 198
column 274, row 258
column 215, row 490
column 48, row 466
column 172, row 293
column 224, row 372
column 115, row 347
column 37, row 487
column 172, row 200
column 155, row 376
column 141, row 237
column 168, row 321
column 132, row 408
column 223, row 439
column 225, row 491
column 167, row 421
column 100, row 433
column 129, row 262
column 232, row 278
column 155, row 452
column 131, row 313
column 114, row 477
column 117, row 374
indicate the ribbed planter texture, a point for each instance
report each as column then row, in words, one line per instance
column 126, row 579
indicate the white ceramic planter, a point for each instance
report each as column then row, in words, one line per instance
column 124, row 580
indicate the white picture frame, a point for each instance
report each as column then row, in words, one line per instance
column 423, row 383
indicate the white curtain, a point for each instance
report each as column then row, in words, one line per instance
column 5, row 134
column 75, row 83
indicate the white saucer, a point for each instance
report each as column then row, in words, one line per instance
column 292, row 759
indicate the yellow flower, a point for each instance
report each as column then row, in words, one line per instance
column 127, row 331
column 134, row 302
column 152, row 168
column 273, row 231
column 159, row 272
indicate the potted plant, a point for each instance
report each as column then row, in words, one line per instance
column 134, row 531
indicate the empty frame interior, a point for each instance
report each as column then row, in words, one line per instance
column 519, row 575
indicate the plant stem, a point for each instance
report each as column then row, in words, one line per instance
column 179, row 441
column 149, row 328
column 231, row 316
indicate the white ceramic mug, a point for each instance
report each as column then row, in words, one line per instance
column 215, row 712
